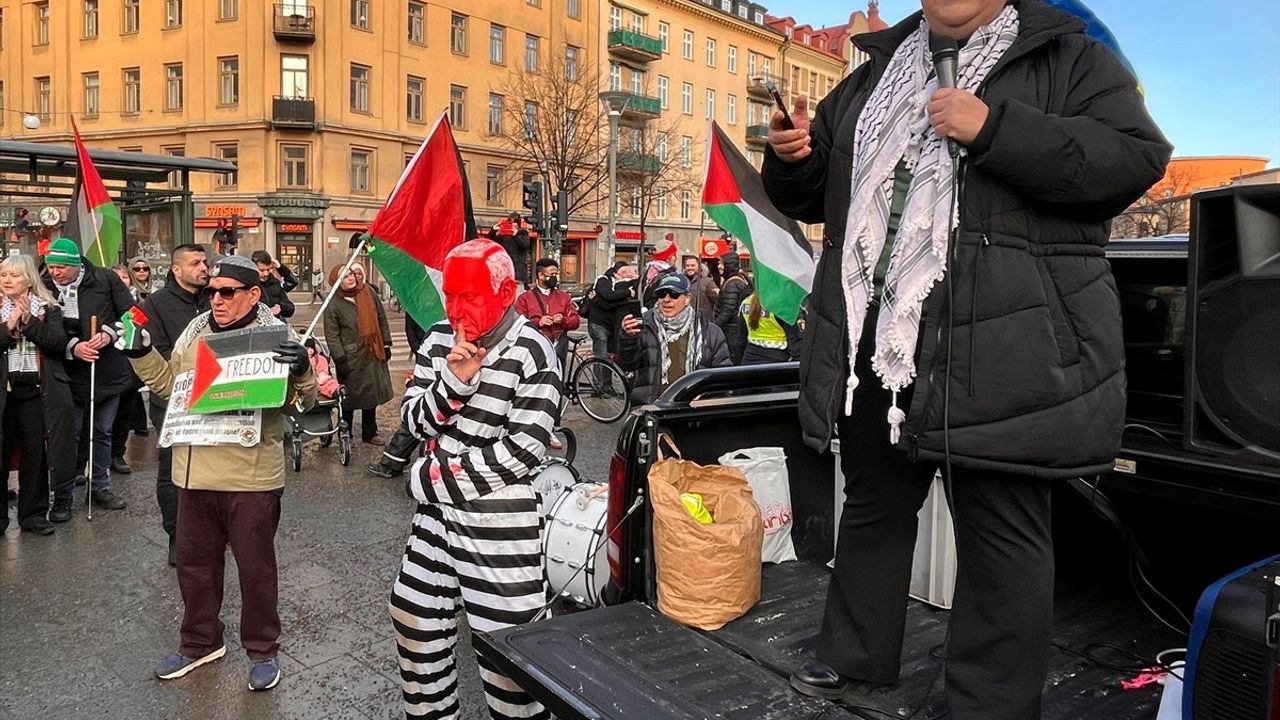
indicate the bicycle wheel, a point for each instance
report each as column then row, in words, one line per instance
column 602, row 390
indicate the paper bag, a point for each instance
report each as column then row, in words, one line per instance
column 707, row 574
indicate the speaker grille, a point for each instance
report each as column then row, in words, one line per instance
column 1231, row 678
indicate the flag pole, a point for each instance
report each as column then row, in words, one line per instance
column 333, row 290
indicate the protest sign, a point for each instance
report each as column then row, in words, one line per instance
column 236, row 370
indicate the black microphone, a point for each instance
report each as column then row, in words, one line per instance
column 945, row 56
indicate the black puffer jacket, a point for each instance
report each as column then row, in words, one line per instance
column 1036, row 381
column 101, row 294
column 640, row 354
column 735, row 291
column 169, row 311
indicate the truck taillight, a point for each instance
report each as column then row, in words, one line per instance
column 617, row 547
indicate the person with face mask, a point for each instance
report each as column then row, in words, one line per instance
column 549, row 308
column 485, row 396
column 963, row 318
column 669, row 342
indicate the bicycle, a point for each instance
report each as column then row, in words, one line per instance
column 595, row 384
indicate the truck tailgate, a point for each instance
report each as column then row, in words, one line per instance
column 628, row 661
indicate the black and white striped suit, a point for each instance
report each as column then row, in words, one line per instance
column 475, row 541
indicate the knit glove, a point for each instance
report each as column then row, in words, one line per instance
column 133, row 341
column 291, row 353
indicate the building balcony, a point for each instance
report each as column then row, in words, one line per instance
column 758, row 86
column 293, row 113
column 757, row 134
column 295, row 24
column 635, row 46
column 641, row 107
column 637, row 163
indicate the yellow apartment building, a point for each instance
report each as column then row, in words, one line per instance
column 319, row 103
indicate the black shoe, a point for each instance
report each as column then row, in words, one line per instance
column 81, row 480
column 118, row 465
column 818, row 679
column 173, row 554
column 385, row 471
column 39, row 526
column 107, row 500
column 61, row 511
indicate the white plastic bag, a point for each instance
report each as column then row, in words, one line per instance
column 766, row 471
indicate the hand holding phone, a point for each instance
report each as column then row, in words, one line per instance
column 772, row 87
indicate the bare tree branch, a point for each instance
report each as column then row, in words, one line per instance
column 1163, row 210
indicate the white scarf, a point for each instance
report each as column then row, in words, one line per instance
column 23, row 354
column 69, row 296
column 671, row 330
column 892, row 127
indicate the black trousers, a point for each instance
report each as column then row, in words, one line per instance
column 1001, row 621
column 368, row 422
column 166, row 491
column 131, row 416
column 400, row 448
column 24, row 432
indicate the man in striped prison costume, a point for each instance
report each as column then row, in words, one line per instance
column 485, row 396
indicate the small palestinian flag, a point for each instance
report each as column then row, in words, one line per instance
column 131, row 324
column 95, row 220
column 427, row 214
column 733, row 196
column 236, row 370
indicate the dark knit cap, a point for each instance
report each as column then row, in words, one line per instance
column 238, row 268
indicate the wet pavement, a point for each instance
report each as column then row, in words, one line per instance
column 86, row 613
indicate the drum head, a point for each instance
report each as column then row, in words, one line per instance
column 573, row 544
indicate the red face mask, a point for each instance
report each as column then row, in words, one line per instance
column 470, row 302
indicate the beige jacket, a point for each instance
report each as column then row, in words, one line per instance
column 226, row 467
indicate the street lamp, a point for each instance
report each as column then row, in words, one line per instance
column 616, row 100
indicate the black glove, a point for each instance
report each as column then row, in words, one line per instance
column 291, row 353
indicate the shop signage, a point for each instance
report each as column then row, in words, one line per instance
column 628, row 235
column 293, row 227
column 219, row 211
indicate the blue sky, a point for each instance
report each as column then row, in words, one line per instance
column 1210, row 68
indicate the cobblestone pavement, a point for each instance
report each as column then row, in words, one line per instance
column 86, row 613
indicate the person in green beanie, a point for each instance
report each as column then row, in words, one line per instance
column 86, row 292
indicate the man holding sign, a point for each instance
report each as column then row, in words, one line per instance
column 227, row 397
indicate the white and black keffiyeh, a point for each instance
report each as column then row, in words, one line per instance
column 893, row 127
column 23, row 354
column 671, row 330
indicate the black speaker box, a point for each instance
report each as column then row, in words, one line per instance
column 1233, row 360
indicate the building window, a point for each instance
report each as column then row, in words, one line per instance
column 731, row 110
column 417, row 23
column 571, row 63
column 175, row 177
column 662, row 146
column 415, row 88
column 91, row 94
column 637, row 200
column 686, row 151
column 42, row 24
column 495, row 114
column 765, row 66
column 293, row 76
column 293, row 165
column 615, row 17
column 531, row 53
column 129, row 20
column 637, row 82
column 711, row 104
column 686, row 45
column 758, row 18
column 530, row 120
column 173, row 13
column 228, row 80
column 664, row 36
column 571, row 127
column 615, row 76
column 361, row 161
column 663, row 91
column 360, row 14
column 458, row 106
column 711, row 52
column 742, row 11
column 228, row 9
column 751, row 64
column 132, row 91
column 660, row 198
column 359, row 88
column 90, row 29
column 458, row 34
column 173, row 86
column 497, row 44
column 751, row 112
column 686, row 98
column 686, row 204
column 2, row 102
column 731, row 59
column 533, row 3
column 493, row 185
column 44, row 97
column 228, row 152
column 573, row 10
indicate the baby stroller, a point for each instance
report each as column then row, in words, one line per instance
column 319, row 421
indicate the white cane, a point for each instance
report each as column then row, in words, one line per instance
column 93, row 394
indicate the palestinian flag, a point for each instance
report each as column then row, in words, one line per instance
column 95, row 221
column 733, row 196
column 428, row 213
column 236, row 370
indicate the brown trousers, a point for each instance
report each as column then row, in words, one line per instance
column 208, row 521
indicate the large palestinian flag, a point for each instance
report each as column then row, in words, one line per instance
column 733, row 195
column 426, row 215
column 236, row 370
column 95, row 221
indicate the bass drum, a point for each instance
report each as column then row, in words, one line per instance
column 552, row 478
column 573, row 544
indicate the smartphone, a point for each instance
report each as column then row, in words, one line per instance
column 777, row 99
